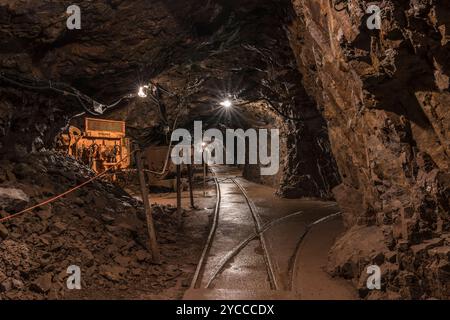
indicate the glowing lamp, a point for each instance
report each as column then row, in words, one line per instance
column 143, row 92
column 226, row 103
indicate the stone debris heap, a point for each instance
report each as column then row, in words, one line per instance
column 99, row 228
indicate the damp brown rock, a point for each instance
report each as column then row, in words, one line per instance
column 385, row 97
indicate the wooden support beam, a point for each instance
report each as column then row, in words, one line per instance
column 191, row 191
column 179, row 208
column 148, row 209
column 204, row 173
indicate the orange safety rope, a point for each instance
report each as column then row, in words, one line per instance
column 62, row 194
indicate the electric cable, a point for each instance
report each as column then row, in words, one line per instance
column 53, row 86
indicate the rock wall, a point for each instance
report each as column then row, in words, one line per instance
column 385, row 96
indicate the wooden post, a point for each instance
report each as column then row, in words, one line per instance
column 191, row 192
column 204, row 176
column 148, row 209
column 179, row 209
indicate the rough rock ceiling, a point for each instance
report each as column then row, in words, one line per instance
column 124, row 43
column 199, row 51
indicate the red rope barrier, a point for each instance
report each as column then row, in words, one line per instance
column 62, row 194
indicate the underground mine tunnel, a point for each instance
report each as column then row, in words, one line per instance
column 224, row 149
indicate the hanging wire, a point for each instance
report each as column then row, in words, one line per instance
column 32, row 84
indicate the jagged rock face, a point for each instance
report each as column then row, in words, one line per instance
column 385, row 96
column 199, row 51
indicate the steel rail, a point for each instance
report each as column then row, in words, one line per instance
column 260, row 230
column 295, row 257
column 257, row 219
column 211, row 236
column 221, row 265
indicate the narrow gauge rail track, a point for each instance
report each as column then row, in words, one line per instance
column 199, row 281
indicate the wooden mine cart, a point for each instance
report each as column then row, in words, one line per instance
column 161, row 172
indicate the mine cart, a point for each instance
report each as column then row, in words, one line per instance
column 161, row 171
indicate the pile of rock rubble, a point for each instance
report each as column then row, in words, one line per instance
column 99, row 228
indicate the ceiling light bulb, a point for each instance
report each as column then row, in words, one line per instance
column 226, row 103
column 142, row 93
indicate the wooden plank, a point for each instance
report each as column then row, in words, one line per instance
column 179, row 208
column 148, row 210
column 191, row 191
